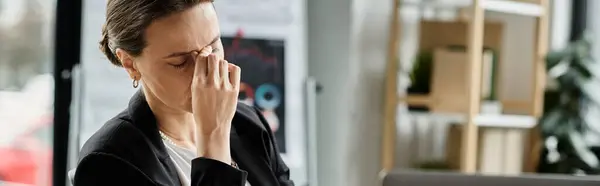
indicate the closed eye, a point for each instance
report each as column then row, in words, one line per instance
column 189, row 58
column 183, row 64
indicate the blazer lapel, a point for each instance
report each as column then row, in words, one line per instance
column 142, row 118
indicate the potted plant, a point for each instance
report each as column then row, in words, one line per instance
column 569, row 119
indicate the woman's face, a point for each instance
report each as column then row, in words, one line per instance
column 166, row 65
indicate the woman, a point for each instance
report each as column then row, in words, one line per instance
column 185, row 126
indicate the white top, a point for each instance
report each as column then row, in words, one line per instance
column 182, row 158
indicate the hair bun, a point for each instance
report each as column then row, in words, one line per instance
column 106, row 49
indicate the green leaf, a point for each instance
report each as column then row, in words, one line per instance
column 581, row 149
column 556, row 57
column 553, row 123
column 582, row 69
column 567, row 81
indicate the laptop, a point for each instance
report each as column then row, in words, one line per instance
column 422, row 178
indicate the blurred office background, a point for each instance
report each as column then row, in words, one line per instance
column 334, row 117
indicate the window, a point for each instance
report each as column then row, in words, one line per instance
column 44, row 134
column 26, row 91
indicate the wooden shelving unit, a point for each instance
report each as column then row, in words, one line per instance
column 471, row 118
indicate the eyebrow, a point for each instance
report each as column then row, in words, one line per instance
column 176, row 54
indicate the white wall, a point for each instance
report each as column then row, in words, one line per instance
column 517, row 58
column 328, row 61
column 346, row 48
column 370, row 37
column 560, row 26
column 593, row 27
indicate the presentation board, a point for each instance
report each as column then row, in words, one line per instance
column 267, row 39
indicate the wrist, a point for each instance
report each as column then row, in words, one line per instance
column 214, row 146
column 210, row 128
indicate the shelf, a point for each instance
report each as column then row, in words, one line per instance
column 484, row 120
column 513, row 7
column 516, row 7
column 510, row 106
column 416, row 100
column 469, row 25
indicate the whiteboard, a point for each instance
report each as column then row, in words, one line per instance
column 280, row 20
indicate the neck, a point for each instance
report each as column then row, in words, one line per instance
column 176, row 124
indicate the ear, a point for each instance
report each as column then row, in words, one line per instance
column 127, row 61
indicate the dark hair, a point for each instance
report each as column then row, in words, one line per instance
column 127, row 20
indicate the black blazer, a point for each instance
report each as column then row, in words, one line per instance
column 128, row 150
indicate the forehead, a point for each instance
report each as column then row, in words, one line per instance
column 184, row 31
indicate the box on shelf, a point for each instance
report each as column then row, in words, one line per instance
column 501, row 150
column 449, row 77
column 440, row 72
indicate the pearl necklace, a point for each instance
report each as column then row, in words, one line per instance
column 166, row 138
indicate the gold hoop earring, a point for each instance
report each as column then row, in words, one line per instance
column 136, row 82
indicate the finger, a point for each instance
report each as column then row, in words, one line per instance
column 201, row 69
column 213, row 70
column 206, row 51
column 224, row 72
column 234, row 75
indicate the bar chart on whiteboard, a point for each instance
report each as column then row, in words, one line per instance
column 262, row 78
